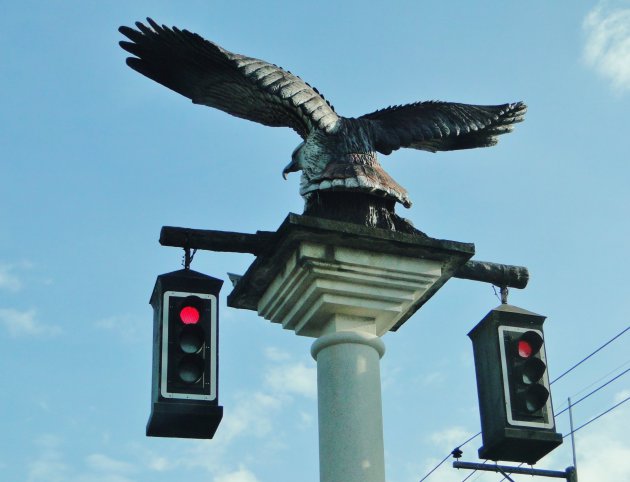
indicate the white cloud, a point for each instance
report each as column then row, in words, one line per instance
column 24, row 323
column 49, row 465
column 241, row 475
column 249, row 425
column 127, row 328
column 252, row 414
column 306, row 420
column 276, row 354
column 295, row 379
column 105, row 463
column 450, row 438
column 158, row 463
column 150, row 459
column 603, row 448
column 433, row 378
column 444, row 473
column 249, row 418
column 440, row 444
column 8, row 281
column 607, row 48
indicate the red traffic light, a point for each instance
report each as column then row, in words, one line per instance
column 184, row 395
column 524, row 349
column 189, row 315
column 529, row 344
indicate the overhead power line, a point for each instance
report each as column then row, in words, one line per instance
column 594, row 391
column 436, row 467
column 448, row 456
column 599, row 416
column 589, row 356
column 573, row 404
column 603, row 377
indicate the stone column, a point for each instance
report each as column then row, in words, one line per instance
column 349, row 407
column 346, row 299
column 346, row 286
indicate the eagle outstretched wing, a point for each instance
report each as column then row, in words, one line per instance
column 242, row 86
column 442, row 126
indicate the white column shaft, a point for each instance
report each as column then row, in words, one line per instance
column 350, row 407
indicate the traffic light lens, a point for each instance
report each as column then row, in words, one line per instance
column 189, row 315
column 524, row 349
column 533, row 370
column 536, row 398
column 529, row 344
column 190, row 368
column 191, row 339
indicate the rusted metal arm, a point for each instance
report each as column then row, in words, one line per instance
column 211, row 240
column 502, row 275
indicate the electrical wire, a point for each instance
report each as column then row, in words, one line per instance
column 471, row 438
column 447, row 457
column 436, row 467
column 473, row 473
column 563, row 405
column 469, row 475
column 586, row 423
column 598, row 416
column 573, row 404
column 587, row 357
column 519, row 465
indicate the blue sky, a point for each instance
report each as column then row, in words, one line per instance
column 96, row 158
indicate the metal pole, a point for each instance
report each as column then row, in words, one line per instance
column 512, row 470
column 572, row 434
column 505, row 476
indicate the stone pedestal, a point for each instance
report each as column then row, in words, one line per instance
column 326, row 288
column 346, row 286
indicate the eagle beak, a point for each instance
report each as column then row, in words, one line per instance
column 291, row 167
column 294, row 165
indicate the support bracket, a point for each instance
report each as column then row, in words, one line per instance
column 501, row 275
column 570, row 474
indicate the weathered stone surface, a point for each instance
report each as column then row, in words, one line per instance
column 340, row 251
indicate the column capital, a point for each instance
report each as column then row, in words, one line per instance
column 345, row 337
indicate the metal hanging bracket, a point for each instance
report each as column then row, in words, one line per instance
column 570, row 474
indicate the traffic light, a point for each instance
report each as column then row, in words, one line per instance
column 184, row 393
column 525, row 368
column 517, row 421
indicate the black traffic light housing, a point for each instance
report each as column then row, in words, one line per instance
column 184, row 394
column 517, row 421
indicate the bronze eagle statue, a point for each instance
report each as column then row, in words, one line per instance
column 337, row 154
